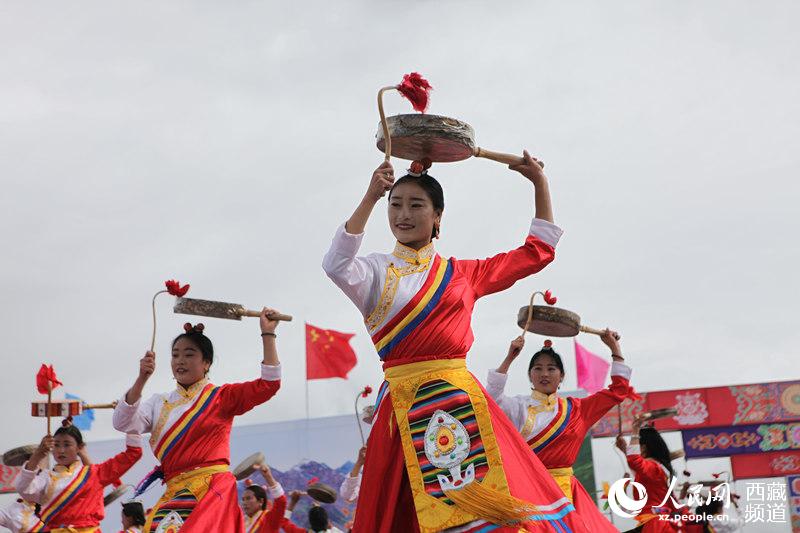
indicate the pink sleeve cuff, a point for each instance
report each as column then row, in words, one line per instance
column 276, row 491
column 546, row 231
column 621, row 369
column 270, row 372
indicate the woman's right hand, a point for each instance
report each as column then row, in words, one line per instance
column 362, row 455
column 147, row 365
column 515, row 348
column 381, row 182
column 46, row 446
column 621, row 443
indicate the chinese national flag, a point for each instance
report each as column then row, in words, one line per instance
column 328, row 353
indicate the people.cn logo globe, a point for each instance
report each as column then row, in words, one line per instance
column 621, row 503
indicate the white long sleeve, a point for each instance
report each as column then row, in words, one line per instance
column 515, row 407
column 355, row 276
column 32, row 484
column 134, row 418
column 350, row 488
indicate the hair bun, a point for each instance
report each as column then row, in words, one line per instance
column 548, row 344
column 67, row 422
column 197, row 328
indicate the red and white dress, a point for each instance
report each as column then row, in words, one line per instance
column 656, row 480
column 555, row 429
column 72, row 496
column 268, row 520
column 441, row 455
column 190, row 435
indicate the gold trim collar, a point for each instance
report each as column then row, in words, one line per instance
column 548, row 400
column 412, row 256
column 193, row 390
column 67, row 469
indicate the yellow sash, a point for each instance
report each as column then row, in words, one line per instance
column 70, row 529
column 494, row 502
column 563, row 477
column 195, row 481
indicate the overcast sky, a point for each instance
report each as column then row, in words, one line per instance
column 222, row 143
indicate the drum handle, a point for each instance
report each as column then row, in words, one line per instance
column 508, row 159
column 273, row 316
column 530, row 310
column 111, row 405
column 387, row 139
column 593, row 331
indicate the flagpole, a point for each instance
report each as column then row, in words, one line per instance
column 307, row 417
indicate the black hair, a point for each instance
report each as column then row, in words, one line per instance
column 431, row 187
column 195, row 336
column 134, row 511
column 656, row 447
column 260, row 494
column 318, row 518
column 547, row 350
column 70, row 431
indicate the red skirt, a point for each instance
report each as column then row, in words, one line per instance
column 587, row 510
column 386, row 504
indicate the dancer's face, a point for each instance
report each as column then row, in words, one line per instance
column 250, row 504
column 188, row 366
column 412, row 216
column 545, row 375
column 65, row 449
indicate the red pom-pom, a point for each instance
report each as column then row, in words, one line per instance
column 416, row 167
column 175, row 289
column 548, row 343
column 416, row 89
column 313, row 480
column 46, row 379
column 366, row 392
column 187, row 327
column 248, row 482
column 549, row 298
column 199, row 327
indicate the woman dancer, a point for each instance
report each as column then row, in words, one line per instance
column 555, row 427
column 257, row 518
column 648, row 458
column 464, row 465
column 71, row 494
column 132, row 517
column 190, row 431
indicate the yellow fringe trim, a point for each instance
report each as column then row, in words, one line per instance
column 491, row 505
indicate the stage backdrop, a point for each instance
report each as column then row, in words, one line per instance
column 756, row 403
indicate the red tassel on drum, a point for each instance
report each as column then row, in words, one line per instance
column 46, row 379
column 416, row 89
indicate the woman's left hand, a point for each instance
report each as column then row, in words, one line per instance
column 531, row 168
column 268, row 325
column 621, row 443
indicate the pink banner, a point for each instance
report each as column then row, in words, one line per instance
column 756, row 403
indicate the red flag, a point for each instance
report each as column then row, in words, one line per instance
column 46, row 379
column 328, row 353
column 592, row 370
